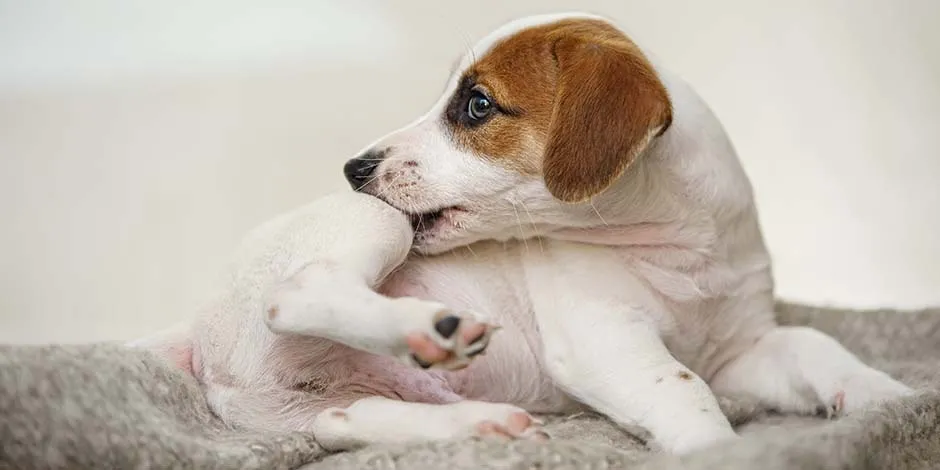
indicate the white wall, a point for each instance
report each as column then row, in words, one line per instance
column 139, row 140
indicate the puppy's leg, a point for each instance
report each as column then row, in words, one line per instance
column 325, row 302
column 627, row 374
column 602, row 345
column 331, row 255
column 378, row 420
column 802, row 370
column 343, row 421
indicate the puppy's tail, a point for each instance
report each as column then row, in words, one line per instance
column 174, row 345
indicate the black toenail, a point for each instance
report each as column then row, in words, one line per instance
column 447, row 326
column 422, row 364
column 477, row 339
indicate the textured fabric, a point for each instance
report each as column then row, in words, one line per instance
column 105, row 406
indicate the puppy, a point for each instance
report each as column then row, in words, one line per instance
column 564, row 188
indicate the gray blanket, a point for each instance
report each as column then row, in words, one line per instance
column 104, row 406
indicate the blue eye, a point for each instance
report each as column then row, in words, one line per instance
column 479, row 106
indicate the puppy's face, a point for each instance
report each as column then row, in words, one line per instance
column 543, row 114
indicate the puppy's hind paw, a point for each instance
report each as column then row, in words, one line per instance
column 864, row 390
column 518, row 425
column 451, row 342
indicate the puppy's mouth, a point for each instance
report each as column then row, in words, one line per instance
column 427, row 221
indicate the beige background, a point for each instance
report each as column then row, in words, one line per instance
column 139, row 140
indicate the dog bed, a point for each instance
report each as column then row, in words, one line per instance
column 106, row 406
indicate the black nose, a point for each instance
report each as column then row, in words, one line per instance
column 359, row 170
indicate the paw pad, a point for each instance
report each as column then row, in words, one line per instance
column 518, row 425
column 451, row 343
column 447, row 326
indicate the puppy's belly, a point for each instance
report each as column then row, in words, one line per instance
column 489, row 282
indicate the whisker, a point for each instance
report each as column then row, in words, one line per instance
column 532, row 223
column 383, row 159
column 380, row 160
column 381, row 193
column 468, row 44
column 472, row 252
column 598, row 213
column 521, row 230
column 370, row 180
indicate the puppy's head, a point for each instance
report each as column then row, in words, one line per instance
column 544, row 114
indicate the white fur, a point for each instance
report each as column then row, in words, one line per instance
column 631, row 304
column 379, row 420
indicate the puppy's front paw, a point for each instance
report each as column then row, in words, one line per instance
column 450, row 342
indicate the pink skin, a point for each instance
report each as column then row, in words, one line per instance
column 514, row 428
column 428, row 351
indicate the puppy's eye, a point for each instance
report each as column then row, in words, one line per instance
column 479, row 106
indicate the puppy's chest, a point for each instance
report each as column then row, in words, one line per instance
column 488, row 280
column 494, row 279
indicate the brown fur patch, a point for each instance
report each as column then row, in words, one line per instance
column 580, row 101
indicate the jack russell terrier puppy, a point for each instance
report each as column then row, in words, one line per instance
column 564, row 188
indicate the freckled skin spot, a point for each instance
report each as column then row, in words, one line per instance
column 685, row 375
column 272, row 312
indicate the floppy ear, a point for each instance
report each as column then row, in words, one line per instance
column 608, row 103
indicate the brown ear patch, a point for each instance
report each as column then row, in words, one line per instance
column 584, row 101
column 608, row 103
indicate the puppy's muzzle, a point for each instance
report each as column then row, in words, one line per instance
column 360, row 170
